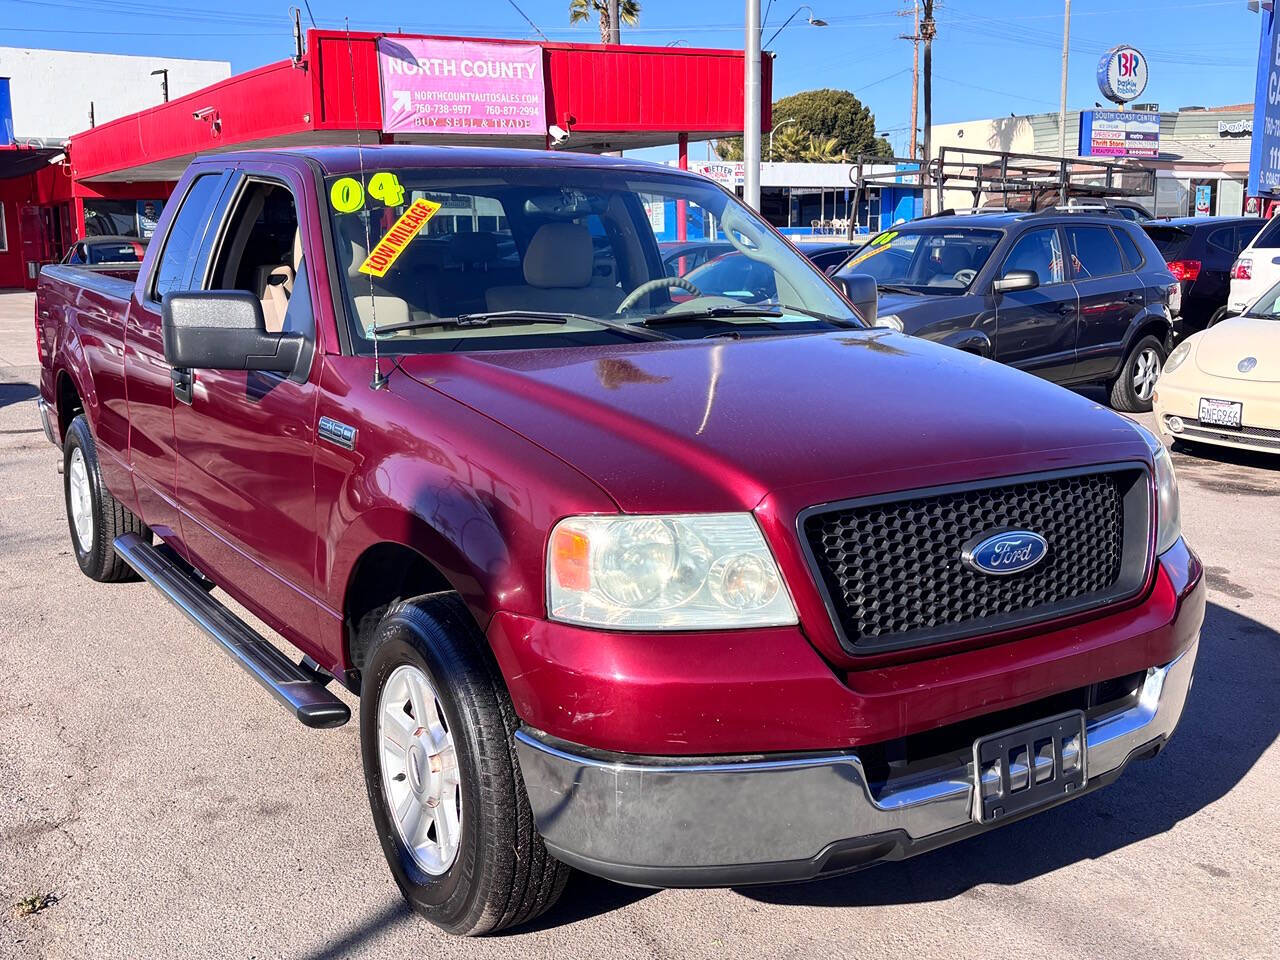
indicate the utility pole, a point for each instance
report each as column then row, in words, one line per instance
column 1062, row 106
column 928, row 30
column 163, row 74
column 915, row 38
column 615, row 28
column 751, row 109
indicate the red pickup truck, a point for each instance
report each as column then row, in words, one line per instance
column 676, row 588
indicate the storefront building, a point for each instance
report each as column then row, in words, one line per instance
column 387, row 88
column 1200, row 155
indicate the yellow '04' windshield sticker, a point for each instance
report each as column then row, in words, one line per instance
column 389, row 248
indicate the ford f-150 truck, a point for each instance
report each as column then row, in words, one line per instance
column 670, row 587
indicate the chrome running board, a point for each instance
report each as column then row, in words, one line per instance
column 299, row 690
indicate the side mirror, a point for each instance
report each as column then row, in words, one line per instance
column 224, row 330
column 860, row 290
column 1016, row 280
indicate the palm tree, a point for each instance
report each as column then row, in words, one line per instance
column 580, row 11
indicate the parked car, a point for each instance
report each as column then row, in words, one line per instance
column 696, row 592
column 1200, row 252
column 1256, row 269
column 679, row 257
column 1222, row 385
column 827, row 253
column 103, row 251
column 1074, row 297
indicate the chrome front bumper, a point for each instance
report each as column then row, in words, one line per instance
column 762, row 821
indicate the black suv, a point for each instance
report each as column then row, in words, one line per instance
column 1200, row 252
column 1071, row 296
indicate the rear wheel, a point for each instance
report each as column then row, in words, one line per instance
column 445, row 791
column 1133, row 389
column 94, row 516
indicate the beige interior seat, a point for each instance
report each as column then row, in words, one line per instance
column 371, row 307
column 557, row 276
column 275, row 286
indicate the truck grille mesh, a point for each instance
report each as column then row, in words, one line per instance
column 893, row 570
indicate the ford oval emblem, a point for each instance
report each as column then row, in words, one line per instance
column 1004, row 553
column 1247, row 364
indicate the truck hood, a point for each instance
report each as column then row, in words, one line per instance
column 718, row 424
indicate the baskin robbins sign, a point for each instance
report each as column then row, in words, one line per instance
column 461, row 87
column 1122, row 74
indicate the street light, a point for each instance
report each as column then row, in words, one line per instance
column 813, row 22
column 780, row 123
column 163, row 74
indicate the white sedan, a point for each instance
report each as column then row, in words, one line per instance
column 1222, row 385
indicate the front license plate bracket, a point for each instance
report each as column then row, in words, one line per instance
column 1029, row 766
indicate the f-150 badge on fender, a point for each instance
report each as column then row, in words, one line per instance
column 1004, row 553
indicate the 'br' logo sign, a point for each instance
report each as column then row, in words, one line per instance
column 1122, row 74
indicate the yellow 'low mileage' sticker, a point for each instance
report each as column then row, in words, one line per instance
column 389, row 248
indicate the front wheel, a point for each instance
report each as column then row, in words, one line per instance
column 445, row 790
column 1134, row 388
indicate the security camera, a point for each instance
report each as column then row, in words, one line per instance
column 204, row 113
column 558, row 134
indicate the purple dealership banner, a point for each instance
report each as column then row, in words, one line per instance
column 461, row 86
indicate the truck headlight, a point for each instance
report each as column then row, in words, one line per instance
column 683, row 572
column 1168, row 509
column 891, row 321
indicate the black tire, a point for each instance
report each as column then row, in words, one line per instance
column 108, row 518
column 502, row 874
column 1218, row 316
column 1125, row 394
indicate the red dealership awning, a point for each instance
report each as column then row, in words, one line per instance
column 607, row 97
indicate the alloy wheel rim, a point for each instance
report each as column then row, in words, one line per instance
column 420, row 776
column 1146, row 370
column 80, row 500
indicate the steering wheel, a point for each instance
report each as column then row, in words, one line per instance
column 662, row 283
column 964, row 276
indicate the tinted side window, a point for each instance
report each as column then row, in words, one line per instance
column 1223, row 239
column 1245, row 233
column 1132, row 256
column 1093, row 252
column 185, row 234
column 1270, row 235
column 1039, row 251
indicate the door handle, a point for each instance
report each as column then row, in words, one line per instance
column 1066, row 309
column 183, row 385
column 1135, row 298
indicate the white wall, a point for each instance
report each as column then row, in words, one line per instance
column 51, row 89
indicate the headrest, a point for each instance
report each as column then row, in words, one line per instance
column 559, row 255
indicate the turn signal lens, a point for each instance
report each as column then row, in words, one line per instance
column 1242, row 269
column 569, row 552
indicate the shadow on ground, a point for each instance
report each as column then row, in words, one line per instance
column 16, row 393
column 1231, row 718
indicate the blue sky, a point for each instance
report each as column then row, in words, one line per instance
column 992, row 57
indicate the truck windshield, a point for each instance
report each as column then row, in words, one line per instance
column 417, row 249
column 933, row 261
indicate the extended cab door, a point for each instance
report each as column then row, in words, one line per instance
column 1036, row 329
column 245, row 438
column 1111, row 298
column 148, row 381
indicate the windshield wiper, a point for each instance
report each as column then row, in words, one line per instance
column 762, row 311
column 512, row 318
column 897, row 288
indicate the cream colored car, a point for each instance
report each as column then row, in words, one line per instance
column 1222, row 385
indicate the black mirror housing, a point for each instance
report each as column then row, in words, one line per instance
column 860, row 290
column 1016, row 280
column 224, row 330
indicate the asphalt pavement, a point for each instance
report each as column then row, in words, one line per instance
column 155, row 803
